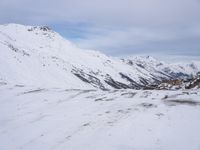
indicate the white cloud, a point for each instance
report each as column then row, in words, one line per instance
column 116, row 26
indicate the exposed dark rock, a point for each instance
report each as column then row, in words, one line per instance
column 45, row 28
column 194, row 83
column 17, row 50
column 116, row 84
column 141, row 66
column 133, row 83
column 144, row 81
column 88, row 78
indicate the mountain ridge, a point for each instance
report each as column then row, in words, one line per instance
column 39, row 56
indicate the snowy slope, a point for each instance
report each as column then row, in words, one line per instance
column 48, row 100
column 65, row 119
column 41, row 57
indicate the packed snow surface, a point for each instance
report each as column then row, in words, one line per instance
column 72, row 119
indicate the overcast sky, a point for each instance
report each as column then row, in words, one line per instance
column 116, row 27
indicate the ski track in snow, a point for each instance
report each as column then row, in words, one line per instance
column 74, row 119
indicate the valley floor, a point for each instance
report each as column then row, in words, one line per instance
column 71, row 119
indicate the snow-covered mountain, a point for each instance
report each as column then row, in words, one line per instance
column 50, row 92
column 41, row 57
column 155, row 67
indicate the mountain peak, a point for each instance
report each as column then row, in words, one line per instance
column 12, row 27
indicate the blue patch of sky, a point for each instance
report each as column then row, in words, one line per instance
column 72, row 31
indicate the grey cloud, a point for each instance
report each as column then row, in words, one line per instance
column 122, row 12
column 148, row 40
column 116, row 26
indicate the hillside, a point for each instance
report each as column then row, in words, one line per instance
column 56, row 96
column 39, row 56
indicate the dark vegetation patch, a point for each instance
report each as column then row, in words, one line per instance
column 129, row 94
column 182, row 102
column 148, row 105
